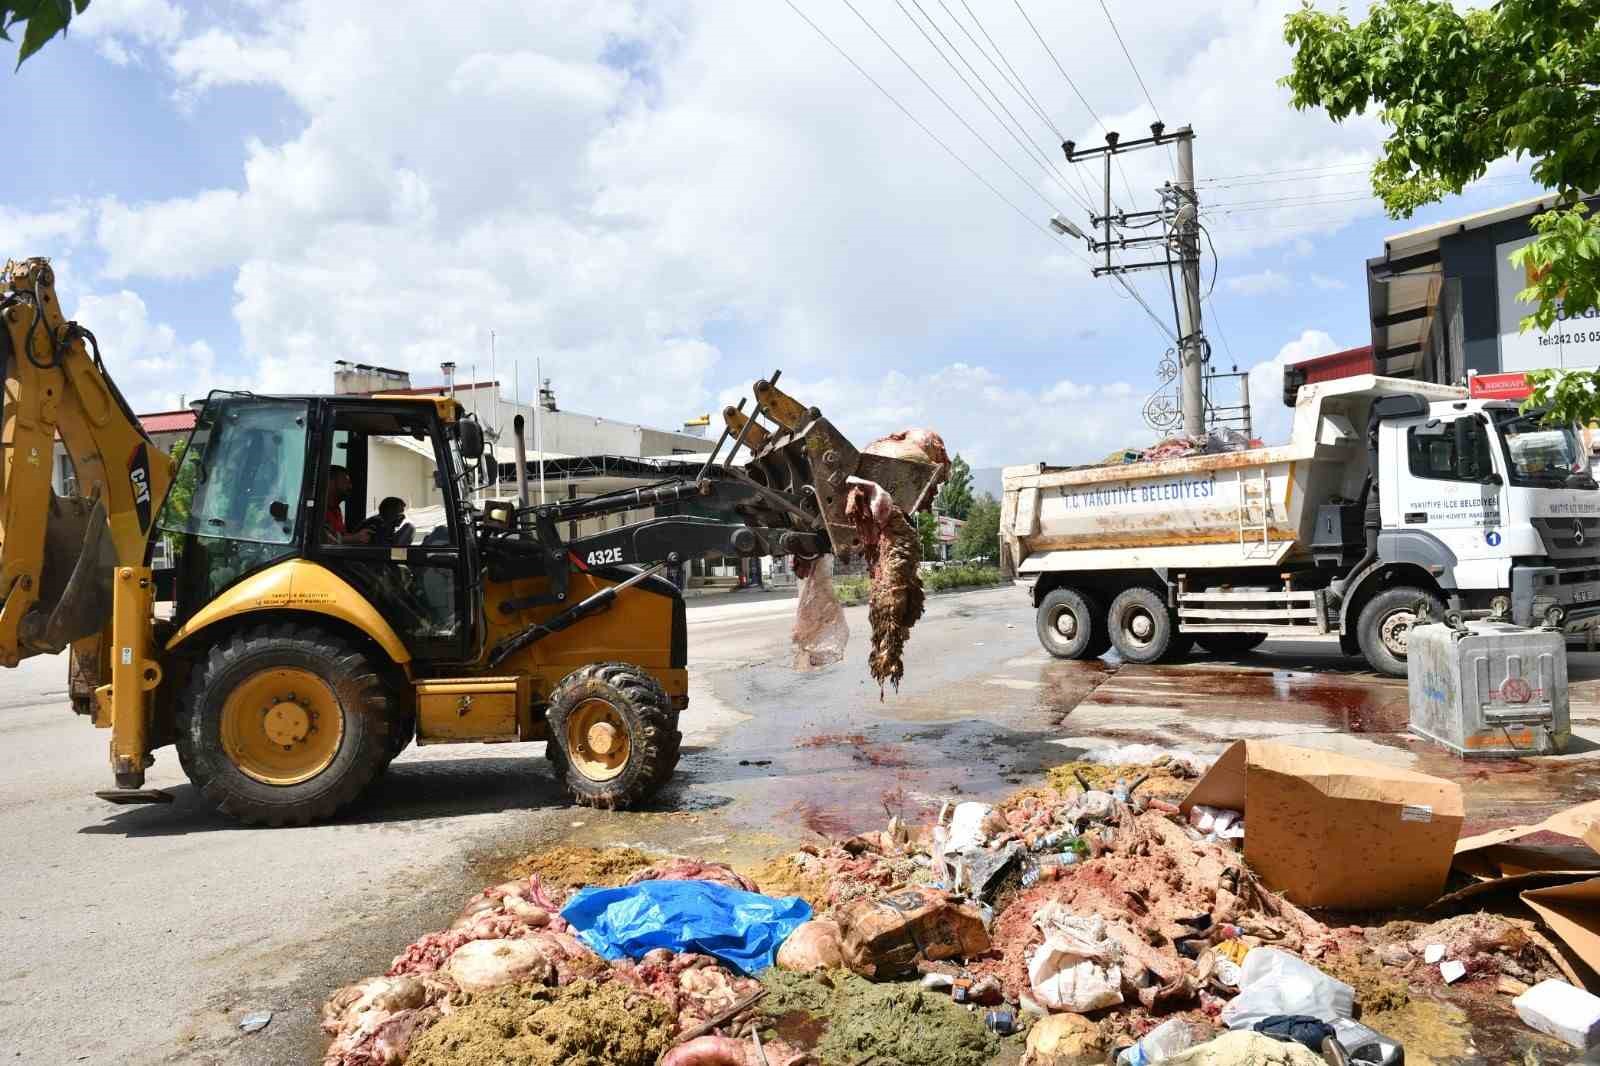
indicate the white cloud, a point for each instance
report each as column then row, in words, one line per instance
column 122, row 30
column 1324, row 282
column 663, row 196
column 147, row 360
column 990, row 422
column 1262, row 281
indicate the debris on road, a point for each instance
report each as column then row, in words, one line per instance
column 255, row 1021
column 572, row 866
column 1079, row 922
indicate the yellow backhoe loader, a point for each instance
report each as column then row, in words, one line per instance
column 296, row 644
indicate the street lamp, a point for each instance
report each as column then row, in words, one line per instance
column 1064, row 226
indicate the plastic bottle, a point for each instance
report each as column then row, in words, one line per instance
column 1164, row 1041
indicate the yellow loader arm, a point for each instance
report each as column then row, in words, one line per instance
column 60, row 556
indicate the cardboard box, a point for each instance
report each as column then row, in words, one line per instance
column 1328, row 830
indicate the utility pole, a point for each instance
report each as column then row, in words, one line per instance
column 1179, row 241
column 1191, row 342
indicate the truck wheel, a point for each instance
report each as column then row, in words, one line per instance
column 1384, row 627
column 616, row 732
column 284, row 725
column 1230, row 643
column 1142, row 628
column 1071, row 625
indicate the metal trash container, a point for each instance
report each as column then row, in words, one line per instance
column 1489, row 688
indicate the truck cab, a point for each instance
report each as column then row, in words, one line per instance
column 1502, row 510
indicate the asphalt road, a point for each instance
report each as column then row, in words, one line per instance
column 141, row 935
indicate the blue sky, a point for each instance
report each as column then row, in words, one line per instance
column 662, row 201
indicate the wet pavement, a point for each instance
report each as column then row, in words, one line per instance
column 983, row 710
column 772, row 759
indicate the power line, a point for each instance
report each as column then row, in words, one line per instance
column 1029, row 219
column 1136, row 75
column 1133, row 200
column 1026, row 144
column 958, row 116
column 1014, row 79
column 1289, row 170
column 1131, row 64
column 951, row 152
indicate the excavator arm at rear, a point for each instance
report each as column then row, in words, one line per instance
column 74, row 569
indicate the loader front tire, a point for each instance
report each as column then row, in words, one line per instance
column 616, row 734
column 284, row 725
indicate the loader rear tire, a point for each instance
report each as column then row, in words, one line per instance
column 284, row 725
column 615, row 735
column 1072, row 624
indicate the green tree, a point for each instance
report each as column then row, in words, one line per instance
column 980, row 536
column 43, row 19
column 928, row 533
column 955, row 495
column 1461, row 89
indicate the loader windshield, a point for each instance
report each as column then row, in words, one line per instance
column 234, row 506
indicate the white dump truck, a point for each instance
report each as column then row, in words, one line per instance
column 1391, row 497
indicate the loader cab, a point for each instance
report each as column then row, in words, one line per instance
column 390, row 521
column 367, row 488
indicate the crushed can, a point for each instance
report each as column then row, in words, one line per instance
column 1001, row 1022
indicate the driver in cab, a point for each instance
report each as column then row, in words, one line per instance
column 333, row 527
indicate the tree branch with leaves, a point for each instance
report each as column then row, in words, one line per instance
column 40, row 20
column 1460, row 90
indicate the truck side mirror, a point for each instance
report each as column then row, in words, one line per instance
column 470, row 437
column 1493, row 479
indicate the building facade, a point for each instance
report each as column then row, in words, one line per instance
column 1443, row 302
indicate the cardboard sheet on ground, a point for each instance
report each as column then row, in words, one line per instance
column 1582, row 822
column 1499, row 862
column 1573, row 913
column 1332, row 831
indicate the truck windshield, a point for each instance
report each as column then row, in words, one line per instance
column 1543, row 455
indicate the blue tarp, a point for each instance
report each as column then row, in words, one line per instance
column 742, row 929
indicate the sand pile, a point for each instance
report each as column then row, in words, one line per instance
column 570, row 866
column 582, row 1024
column 847, row 1019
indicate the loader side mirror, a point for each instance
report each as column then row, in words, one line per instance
column 470, row 437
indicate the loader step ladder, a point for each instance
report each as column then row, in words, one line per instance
column 1255, row 540
column 1282, row 612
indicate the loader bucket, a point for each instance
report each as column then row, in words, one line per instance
column 75, row 580
column 804, row 457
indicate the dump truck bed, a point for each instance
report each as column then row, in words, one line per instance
column 1245, row 508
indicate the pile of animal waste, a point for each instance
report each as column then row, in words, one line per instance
column 893, row 553
column 1212, row 442
column 1101, row 916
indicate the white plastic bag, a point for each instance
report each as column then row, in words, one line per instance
column 1077, row 968
column 1276, row 982
column 820, row 631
